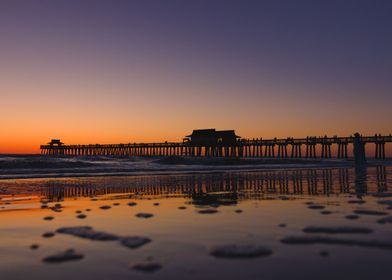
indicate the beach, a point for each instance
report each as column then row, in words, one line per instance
column 304, row 222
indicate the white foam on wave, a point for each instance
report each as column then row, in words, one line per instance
column 40, row 166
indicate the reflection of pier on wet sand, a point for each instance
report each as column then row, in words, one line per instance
column 244, row 184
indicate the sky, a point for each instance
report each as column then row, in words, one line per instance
column 91, row 71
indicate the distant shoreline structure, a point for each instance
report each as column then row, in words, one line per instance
column 214, row 143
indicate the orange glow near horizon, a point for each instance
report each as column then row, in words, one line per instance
column 159, row 116
column 23, row 144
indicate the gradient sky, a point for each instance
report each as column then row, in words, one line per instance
column 129, row 71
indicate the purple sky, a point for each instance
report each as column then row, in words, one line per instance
column 124, row 71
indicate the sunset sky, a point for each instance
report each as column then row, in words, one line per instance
column 141, row 71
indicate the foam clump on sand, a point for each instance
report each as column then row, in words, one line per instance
column 48, row 234
column 68, row 255
column 134, row 241
column 307, row 240
column 232, row 251
column 34, row 246
column 315, row 206
column 356, row 201
column 208, row 211
column 147, row 267
column 337, row 229
column 352, row 217
column 144, row 215
column 87, row 232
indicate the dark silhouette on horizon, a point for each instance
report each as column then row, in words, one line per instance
column 225, row 143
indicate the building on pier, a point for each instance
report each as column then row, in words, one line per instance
column 55, row 143
column 211, row 137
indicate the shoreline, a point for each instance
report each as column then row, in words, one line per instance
column 63, row 167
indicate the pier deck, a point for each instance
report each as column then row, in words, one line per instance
column 309, row 147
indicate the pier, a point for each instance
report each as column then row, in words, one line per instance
column 212, row 143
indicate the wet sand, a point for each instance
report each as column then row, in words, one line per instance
column 248, row 225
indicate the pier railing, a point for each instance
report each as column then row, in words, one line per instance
column 309, row 147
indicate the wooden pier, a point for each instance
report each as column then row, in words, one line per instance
column 228, row 145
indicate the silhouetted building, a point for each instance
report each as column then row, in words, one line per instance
column 55, row 142
column 226, row 137
column 210, row 137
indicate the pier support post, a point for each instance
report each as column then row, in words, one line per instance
column 380, row 150
column 359, row 150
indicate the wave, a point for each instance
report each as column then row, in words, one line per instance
column 40, row 166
